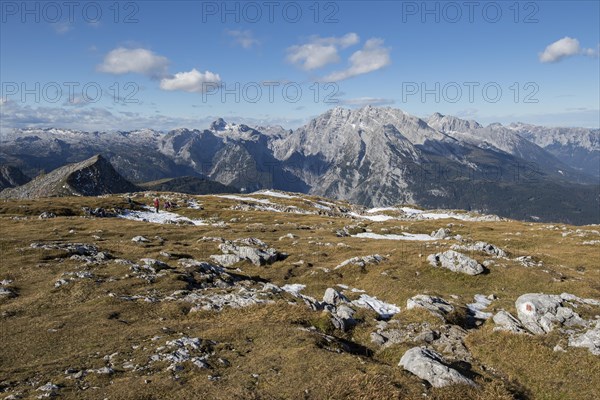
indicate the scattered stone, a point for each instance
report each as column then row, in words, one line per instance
column 68, row 277
column 46, row 215
column 350, row 230
column 334, row 297
column 241, row 297
column 362, row 261
column 506, row 322
column 185, row 349
column 102, row 371
column 590, row 339
column 435, row 305
column 98, row 212
column 288, row 236
column 482, row 247
column 456, row 262
column 255, row 256
column 50, row 390
column 140, row 239
column 377, row 339
column 430, row 366
column 441, row 233
column 7, row 293
column 540, row 312
column 385, row 310
column 343, row 317
column 528, row 262
column 476, row 308
column 226, row 260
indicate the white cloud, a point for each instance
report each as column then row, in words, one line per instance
column 319, row 52
column 563, row 48
column 62, row 27
column 192, row 81
column 244, row 38
column 14, row 115
column 371, row 57
column 141, row 61
column 591, row 52
column 76, row 101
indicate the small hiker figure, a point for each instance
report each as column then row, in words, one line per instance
column 167, row 205
column 156, row 204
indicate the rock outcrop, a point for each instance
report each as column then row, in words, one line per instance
column 430, row 366
column 456, row 262
column 539, row 313
column 435, row 305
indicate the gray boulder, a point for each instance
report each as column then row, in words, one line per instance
column 255, row 256
column 362, row 261
column 140, row 239
column 435, row 305
column 441, row 233
column 506, row 322
column 430, row 366
column 456, row 262
column 343, row 317
column 590, row 339
column 482, row 247
column 226, row 260
column 334, row 297
column 540, row 312
column 46, row 215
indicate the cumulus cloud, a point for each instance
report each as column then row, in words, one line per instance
column 243, row 38
column 319, row 52
column 142, row 61
column 563, row 48
column 191, row 81
column 371, row 57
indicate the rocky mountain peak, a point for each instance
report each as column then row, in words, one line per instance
column 92, row 177
column 218, row 125
column 449, row 123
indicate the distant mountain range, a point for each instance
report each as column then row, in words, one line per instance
column 372, row 156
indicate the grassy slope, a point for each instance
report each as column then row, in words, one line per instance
column 46, row 330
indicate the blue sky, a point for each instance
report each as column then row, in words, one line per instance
column 164, row 65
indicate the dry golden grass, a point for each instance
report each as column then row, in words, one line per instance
column 45, row 330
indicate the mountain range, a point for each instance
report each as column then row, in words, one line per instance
column 371, row 156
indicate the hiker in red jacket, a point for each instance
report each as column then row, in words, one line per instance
column 156, row 204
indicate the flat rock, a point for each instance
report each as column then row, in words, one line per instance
column 506, row 322
column 430, row 366
column 254, row 255
column 441, row 233
column 362, row 261
column 456, row 262
column 482, row 247
column 436, row 305
column 140, row 239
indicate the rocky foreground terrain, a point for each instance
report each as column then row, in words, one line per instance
column 285, row 296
